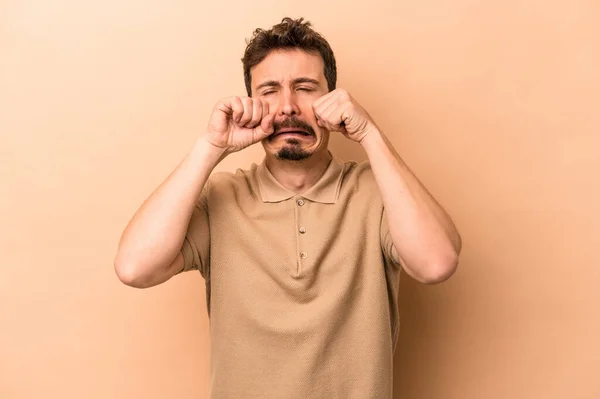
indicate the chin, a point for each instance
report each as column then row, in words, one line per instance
column 292, row 154
column 292, row 150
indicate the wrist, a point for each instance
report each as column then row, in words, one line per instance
column 208, row 151
column 371, row 138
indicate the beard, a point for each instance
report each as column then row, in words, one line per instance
column 292, row 150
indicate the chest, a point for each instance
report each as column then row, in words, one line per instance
column 294, row 265
column 296, row 236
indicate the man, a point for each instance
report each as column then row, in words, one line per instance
column 301, row 254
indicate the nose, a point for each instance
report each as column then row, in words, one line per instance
column 287, row 104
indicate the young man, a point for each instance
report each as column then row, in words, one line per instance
column 301, row 254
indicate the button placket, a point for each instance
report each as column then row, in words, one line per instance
column 302, row 254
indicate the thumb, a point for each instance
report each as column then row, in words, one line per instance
column 266, row 126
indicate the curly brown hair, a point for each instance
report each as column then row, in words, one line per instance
column 289, row 34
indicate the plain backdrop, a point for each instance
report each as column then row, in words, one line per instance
column 495, row 106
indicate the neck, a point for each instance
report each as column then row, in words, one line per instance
column 299, row 176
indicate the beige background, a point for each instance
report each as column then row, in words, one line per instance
column 495, row 106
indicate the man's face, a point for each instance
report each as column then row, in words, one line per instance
column 290, row 81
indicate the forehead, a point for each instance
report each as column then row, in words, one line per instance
column 284, row 65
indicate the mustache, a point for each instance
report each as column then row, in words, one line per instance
column 293, row 122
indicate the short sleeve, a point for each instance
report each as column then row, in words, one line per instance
column 196, row 243
column 387, row 245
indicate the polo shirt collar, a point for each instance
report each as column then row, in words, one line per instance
column 325, row 191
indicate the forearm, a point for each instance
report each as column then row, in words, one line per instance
column 154, row 236
column 423, row 234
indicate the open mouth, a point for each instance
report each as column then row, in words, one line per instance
column 292, row 132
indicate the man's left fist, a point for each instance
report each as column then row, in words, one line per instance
column 338, row 111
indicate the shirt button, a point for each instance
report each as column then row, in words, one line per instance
column 303, row 255
column 300, row 202
column 302, row 230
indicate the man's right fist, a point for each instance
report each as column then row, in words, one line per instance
column 238, row 122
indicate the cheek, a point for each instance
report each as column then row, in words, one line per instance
column 273, row 103
column 308, row 114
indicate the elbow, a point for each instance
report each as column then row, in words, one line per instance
column 440, row 269
column 129, row 273
column 443, row 266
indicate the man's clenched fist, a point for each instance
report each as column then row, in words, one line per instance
column 238, row 122
column 338, row 111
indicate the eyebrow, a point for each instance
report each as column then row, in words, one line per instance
column 274, row 83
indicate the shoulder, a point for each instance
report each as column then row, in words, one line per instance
column 226, row 182
column 358, row 174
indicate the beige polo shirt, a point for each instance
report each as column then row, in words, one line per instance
column 302, row 289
